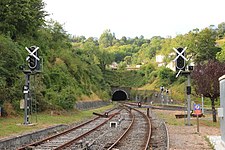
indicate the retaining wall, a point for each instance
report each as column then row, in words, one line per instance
column 16, row 142
column 90, row 104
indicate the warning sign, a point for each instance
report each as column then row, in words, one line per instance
column 197, row 109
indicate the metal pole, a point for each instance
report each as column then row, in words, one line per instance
column 189, row 100
column 148, row 112
column 197, row 123
column 202, row 104
column 167, row 97
column 26, row 93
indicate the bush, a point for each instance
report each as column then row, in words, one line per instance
column 166, row 76
column 66, row 102
column 8, row 109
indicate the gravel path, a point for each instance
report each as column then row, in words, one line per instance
column 186, row 137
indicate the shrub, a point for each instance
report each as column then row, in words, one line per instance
column 166, row 76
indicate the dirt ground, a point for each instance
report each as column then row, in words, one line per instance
column 184, row 137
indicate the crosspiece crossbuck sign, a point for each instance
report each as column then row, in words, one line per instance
column 179, row 54
column 32, row 53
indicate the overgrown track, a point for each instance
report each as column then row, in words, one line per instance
column 137, row 136
column 72, row 135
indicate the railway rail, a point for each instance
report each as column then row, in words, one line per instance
column 68, row 137
column 139, row 132
column 125, row 127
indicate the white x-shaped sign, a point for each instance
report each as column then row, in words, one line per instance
column 32, row 53
column 180, row 54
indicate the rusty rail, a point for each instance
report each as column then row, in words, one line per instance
column 85, row 134
column 124, row 134
column 126, row 131
column 59, row 134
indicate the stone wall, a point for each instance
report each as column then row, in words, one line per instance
column 83, row 105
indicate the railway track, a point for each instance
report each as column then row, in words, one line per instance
column 159, row 136
column 137, row 136
column 125, row 127
column 104, row 136
column 70, row 136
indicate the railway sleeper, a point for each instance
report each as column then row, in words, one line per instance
column 104, row 115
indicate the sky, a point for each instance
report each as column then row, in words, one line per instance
column 132, row 18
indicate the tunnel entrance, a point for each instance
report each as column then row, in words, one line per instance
column 119, row 96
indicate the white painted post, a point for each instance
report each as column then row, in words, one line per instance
column 202, row 104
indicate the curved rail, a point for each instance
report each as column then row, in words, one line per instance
column 129, row 128
column 149, row 129
column 124, row 134
column 168, row 137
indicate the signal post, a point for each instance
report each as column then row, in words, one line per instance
column 180, row 68
column 34, row 66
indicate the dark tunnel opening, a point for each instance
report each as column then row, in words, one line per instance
column 119, row 96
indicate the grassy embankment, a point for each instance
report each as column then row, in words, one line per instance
column 170, row 119
column 177, row 93
column 12, row 126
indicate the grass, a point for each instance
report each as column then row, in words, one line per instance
column 170, row 119
column 12, row 126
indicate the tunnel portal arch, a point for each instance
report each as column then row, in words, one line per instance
column 119, row 95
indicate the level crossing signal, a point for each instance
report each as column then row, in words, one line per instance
column 32, row 58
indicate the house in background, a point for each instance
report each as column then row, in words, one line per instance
column 160, row 62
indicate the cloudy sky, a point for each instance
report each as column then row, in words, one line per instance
column 132, row 18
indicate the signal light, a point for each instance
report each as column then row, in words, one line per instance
column 32, row 61
column 180, row 62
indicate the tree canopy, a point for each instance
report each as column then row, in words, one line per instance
column 205, row 79
column 21, row 17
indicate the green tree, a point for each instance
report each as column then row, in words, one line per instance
column 10, row 61
column 221, row 30
column 221, row 55
column 205, row 78
column 20, row 17
column 166, row 76
column 127, row 59
column 202, row 45
column 106, row 39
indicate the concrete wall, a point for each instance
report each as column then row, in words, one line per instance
column 90, row 104
column 18, row 141
column 222, row 105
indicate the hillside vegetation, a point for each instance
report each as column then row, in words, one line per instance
column 77, row 68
